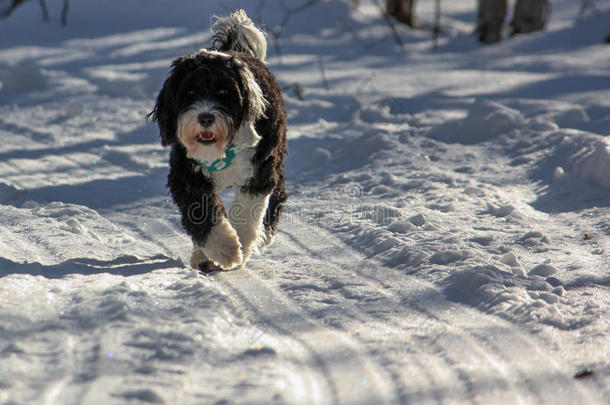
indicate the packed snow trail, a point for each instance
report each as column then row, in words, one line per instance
column 336, row 330
column 446, row 238
column 401, row 323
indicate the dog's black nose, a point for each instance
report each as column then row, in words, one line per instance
column 206, row 119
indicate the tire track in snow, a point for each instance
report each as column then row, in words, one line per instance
column 334, row 360
column 348, row 268
column 296, row 337
column 450, row 361
column 168, row 238
column 511, row 362
column 291, row 246
column 315, row 383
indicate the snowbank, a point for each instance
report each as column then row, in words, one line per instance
column 21, row 77
column 486, row 120
column 596, row 166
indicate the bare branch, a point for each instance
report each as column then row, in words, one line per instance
column 278, row 30
column 321, row 66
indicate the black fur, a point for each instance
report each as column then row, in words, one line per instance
column 196, row 77
column 271, row 150
column 194, row 194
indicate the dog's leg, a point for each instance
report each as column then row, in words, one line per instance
column 274, row 209
column 199, row 261
column 223, row 247
column 214, row 238
column 197, row 257
column 246, row 215
column 203, row 216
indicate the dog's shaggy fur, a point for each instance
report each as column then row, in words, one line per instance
column 215, row 102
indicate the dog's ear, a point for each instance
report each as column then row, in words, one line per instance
column 254, row 105
column 164, row 113
column 251, row 92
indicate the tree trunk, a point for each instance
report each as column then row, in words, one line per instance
column 402, row 10
column 530, row 16
column 45, row 11
column 437, row 22
column 64, row 12
column 490, row 20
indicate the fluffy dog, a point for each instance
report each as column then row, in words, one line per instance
column 222, row 113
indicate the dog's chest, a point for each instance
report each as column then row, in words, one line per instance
column 237, row 173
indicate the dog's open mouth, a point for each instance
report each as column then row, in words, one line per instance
column 206, row 137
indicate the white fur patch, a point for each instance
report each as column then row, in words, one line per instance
column 258, row 103
column 248, row 38
column 189, row 127
column 197, row 257
column 247, row 136
column 215, row 53
column 268, row 240
column 223, row 247
column 246, row 215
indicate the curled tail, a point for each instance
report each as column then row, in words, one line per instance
column 237, row 32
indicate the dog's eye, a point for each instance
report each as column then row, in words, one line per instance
column 191, row 92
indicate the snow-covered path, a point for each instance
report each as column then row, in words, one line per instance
column 314, row 322
column 446, row 240
column 394, row 339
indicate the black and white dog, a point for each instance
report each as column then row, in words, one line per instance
column 222, row 113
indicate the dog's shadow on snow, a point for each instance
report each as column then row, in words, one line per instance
column 121, row 266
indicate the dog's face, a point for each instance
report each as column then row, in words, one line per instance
column 209, row 105
column 208, row 101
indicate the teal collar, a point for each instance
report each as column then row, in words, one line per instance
column 223, row 163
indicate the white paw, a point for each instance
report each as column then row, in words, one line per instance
column 247, row 212
column 265, row 240
column 223, row 247
column 248, row 236
column 197, row 257
column 253, row 240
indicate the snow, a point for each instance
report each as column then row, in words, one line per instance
column 447, row 236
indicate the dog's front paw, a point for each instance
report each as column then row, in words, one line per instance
column 197, row 257
column 223, row 247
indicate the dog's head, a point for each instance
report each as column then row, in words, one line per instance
column 209, row 101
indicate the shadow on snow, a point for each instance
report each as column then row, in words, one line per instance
column 121, row 266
